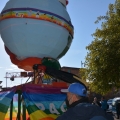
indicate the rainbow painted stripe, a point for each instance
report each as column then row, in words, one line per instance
column 44, row 103
column 37, row 14
column 5, row 100
column 15, row 110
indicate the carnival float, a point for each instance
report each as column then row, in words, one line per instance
column 36, row 34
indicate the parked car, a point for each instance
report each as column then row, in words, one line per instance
column 109, row 102
column 114, row 101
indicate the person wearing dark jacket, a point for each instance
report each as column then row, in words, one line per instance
column 79, row 107
column 104, row 104
column 96, row 102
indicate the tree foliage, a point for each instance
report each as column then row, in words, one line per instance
column 82, row 73
column 103, row 58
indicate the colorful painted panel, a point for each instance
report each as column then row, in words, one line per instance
column 44, row 103
column 15, row 110
column 5, row 100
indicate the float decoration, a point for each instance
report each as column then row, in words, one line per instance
column 32, row 30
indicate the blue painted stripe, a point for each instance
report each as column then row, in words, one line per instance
column 15, row 104
column 46, row 104
column 44, row 97
column 5, row 101
column 8, row 94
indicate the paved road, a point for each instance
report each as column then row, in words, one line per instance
column 114, row 116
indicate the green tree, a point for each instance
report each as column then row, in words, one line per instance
column 82, row 73
column 103, row 58
column 83, row 78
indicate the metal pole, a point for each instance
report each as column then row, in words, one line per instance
column 6, row 79
column 11, row 109
column 81, row 64
column 19, row 104
column 24, row 110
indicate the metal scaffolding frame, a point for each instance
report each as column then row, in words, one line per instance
column 12, row 75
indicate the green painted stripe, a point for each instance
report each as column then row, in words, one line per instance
column 32, row 108
column 3, row 108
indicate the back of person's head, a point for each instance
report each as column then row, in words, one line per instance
column 95, row 97
column 75, row 92
column 76, row 88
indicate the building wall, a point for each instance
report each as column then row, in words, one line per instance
column 71, row 70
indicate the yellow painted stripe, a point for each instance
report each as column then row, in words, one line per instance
column 2, row 116
column 40, row 115
column 8, row 114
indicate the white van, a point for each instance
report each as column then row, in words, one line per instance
column 114, row 101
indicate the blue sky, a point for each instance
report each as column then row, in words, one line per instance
column 83, row 14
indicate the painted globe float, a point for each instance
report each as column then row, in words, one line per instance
column 34, row 29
